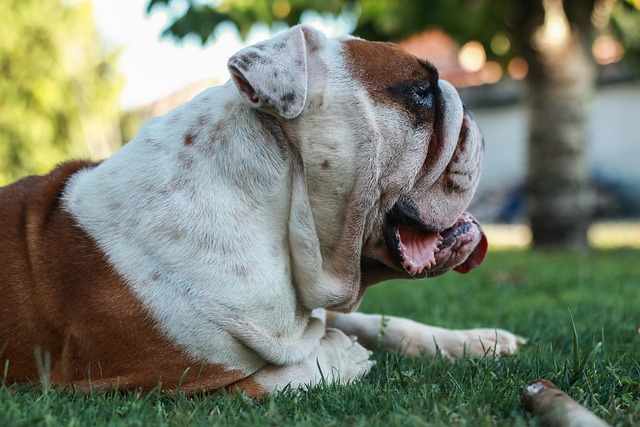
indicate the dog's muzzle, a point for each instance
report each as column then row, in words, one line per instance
column 417, row 248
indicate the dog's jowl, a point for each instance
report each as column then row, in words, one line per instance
column 228, row 244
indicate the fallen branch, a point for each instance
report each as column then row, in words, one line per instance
column 555, row 408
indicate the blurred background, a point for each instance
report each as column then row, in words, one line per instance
column 553, row 84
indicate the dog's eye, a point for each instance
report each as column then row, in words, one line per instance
column 423, row 95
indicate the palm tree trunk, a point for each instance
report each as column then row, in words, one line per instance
column 560, row 83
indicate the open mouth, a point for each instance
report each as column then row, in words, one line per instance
column 417, row 249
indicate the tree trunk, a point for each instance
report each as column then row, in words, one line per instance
column 560, row 83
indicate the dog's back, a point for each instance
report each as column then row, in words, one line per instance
column 29, row 223
column 78, row 315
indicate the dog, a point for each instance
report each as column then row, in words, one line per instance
column 228, row 244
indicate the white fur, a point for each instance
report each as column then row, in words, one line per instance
column 130, row 205
column 178, row 233
column 338, row 358
column 231, row 235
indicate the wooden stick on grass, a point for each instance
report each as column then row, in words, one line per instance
column 555, row 408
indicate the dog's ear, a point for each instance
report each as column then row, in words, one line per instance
column 275, row 72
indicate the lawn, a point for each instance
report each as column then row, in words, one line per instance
column 544, row 297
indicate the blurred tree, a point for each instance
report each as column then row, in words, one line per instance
column 553, row 37
column 58, row 87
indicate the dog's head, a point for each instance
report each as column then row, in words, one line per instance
column 388, row 154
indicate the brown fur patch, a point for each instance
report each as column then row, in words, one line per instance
column 382, row 66
column 389, row 73
column 249, row 386
column 60, row 295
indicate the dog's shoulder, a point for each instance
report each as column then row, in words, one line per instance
column 50, row 184
column 39, row 193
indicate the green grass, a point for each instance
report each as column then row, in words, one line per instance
column 533, row 294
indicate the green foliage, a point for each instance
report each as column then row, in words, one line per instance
column 465, row 20
column 626, row 27
column 202, row 18
column 592, row 354
column 56, row 81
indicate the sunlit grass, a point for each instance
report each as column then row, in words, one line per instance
column 583, row 308
column 601, row 235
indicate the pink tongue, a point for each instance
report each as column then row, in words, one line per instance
column 418, row 248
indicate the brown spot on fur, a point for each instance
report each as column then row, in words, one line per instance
column 288, row 98
column 219, row 127
column 186, row 161
column 189, row 139
column 59, row 293
column 325, row 164
column 245, row 62
column 176, row 234
column 240, row 270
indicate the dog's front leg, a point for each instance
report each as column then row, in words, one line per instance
column 417, row 339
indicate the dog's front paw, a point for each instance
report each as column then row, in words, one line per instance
column 343, row 359
column 338, row 358
column 478, row 343
column 416, row 339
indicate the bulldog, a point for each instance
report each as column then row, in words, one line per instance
column 228, row 244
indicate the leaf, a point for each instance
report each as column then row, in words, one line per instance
column 201, row 21
column 153, row 3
